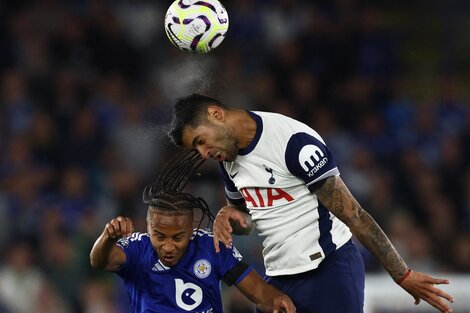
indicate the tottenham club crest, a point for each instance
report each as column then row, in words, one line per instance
column 202, row 268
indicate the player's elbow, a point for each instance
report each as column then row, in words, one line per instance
column 96, row 262
column 93, row 261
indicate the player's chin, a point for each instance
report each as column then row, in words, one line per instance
column 169, row 261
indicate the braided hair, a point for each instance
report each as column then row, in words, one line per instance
column 166, row 193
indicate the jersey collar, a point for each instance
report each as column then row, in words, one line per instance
column 259, row 131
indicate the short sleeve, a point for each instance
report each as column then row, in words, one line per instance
column 231, row 191
column 134, row 248
column 229, row 264
column 308, row 158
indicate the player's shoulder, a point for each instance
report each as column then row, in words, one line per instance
column 270, row 115
column 137, row 236
column 278, row 119
column 203, row 234
column 203, row 240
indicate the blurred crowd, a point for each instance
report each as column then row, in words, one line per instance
column 86, row 93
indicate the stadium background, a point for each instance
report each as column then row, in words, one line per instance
column 86, row 92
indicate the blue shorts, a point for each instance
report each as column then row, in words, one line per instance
column 337, row 285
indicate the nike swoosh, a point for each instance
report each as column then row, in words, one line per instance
column 233, row 176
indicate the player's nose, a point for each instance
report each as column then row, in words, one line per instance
column 204, row 152
column 168, row 247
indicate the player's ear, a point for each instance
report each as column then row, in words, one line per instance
column 216, row 113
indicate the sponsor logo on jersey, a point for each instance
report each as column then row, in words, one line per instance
column 312, row 159
column 264, row 197
column 202, row 268
column 188, row 295
column 232, row 176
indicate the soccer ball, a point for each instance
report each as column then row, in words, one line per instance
column 196, row 25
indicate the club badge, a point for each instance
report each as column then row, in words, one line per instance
column 202, row 268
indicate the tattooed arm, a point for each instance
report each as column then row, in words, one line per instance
column 336, row 197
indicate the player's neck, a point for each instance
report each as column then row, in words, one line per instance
column 245, row 128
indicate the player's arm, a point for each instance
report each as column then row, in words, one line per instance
column 336, row 197
column 266, row 297
column 105, row 254
column 338, row 200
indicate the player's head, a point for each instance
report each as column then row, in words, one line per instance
column 170, row 215
column 200, row 123
column 170, row 228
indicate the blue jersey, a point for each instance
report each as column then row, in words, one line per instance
column 192, row 285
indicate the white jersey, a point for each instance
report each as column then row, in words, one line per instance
column 272, row 176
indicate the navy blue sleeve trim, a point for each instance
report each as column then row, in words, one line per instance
column 314, row 187
column 229, row 185
column 309, row 159
column 231, row 191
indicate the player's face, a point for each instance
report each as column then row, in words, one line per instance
column 211, row 141
column 170, row 234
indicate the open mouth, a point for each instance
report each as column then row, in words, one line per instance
column 169, row 258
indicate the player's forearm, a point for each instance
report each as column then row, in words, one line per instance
column 101, row 251
column 266, row 301
column 263, row 297
column 337, row 198
column 259, row 292
column 374, row 239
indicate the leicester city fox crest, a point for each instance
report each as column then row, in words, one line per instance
column 202, row 268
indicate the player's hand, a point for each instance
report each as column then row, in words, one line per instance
column 283, row 304
column 222, row 228
column 422, row 286
column 119, row 227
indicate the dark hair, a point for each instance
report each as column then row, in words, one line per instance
column 189, row 111
column 166, row 193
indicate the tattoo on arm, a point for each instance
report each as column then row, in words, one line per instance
column 336, row 197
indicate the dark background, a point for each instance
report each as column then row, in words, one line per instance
column 87, row 89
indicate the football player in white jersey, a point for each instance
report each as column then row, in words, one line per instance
column 279, row 173
column 174, row 268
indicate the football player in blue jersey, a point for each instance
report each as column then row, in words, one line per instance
column 281, row 178
column 173, row 267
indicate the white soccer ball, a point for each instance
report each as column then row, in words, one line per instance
column 196, row 25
